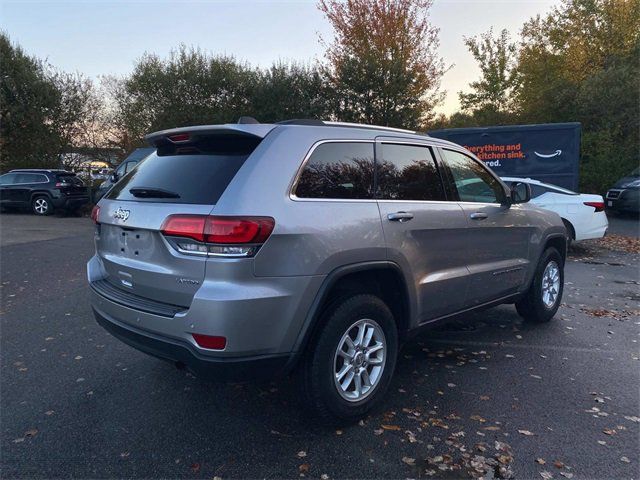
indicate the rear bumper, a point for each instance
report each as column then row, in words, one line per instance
column 596, row 227
column 234, row 369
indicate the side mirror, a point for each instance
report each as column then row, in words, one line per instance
column 114, row 177
column 520, row 192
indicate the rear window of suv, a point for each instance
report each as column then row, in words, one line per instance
column 193, row 177
column 338, row 170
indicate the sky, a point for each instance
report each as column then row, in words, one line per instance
column 105, row 37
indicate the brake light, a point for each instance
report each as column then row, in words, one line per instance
column 216, row 235
column 210, row 341
column 599, row 206
column 94, row 213
column 179, row 137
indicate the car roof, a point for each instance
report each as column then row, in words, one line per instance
column 537, row 182
column 250, row 127
column 41, row 170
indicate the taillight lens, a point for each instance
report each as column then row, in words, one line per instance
column 599, row 206
column 217, row 235
column 94, row 213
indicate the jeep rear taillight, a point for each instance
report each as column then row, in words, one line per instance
column 94, row 213
column 217, row 235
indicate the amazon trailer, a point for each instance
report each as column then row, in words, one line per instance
column 547, row 152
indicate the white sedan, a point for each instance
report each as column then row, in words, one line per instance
column 582, row 213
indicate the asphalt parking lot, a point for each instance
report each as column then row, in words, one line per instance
column 489, row 393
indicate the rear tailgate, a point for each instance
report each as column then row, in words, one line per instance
column 71, row 185
column 186, row 176
column 136, row 257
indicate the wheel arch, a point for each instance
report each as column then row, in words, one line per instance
column 570, row 228
column 379, row 278
column 40, row 193
column 559, row 242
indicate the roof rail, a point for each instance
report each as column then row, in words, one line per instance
column 372, row 127
column 326, row 123
column 303, row 121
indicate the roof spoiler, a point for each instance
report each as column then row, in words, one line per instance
column 186, row 134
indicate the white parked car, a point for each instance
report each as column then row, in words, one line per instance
column 582, row 213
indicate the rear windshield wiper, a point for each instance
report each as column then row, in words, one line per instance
column 150, row 192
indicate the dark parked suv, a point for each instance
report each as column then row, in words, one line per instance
column 247, row 250
column 42, row 191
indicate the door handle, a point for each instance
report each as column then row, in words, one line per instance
column 478, row 216
column 400, row 217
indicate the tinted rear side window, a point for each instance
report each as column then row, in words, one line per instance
column 339, row 170
column 408, row 172
column 31, row 178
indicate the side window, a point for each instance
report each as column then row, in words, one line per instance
column 338, row 170
column 129, row 166
column 408, row 172
column 8, row 179
column 28, row 178
column 537, row 190
column 471, row 181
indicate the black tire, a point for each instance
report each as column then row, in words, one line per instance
column 41, row 205
column 317, row 370
column 532, row 307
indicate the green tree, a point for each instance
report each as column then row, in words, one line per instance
column 28, row 104
column 287, row 91
column 490, row 101
column 581, row 63
column 383, row 65
column 43, row 112
column 189, row 88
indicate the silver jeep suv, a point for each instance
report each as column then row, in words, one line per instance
column 242, row 251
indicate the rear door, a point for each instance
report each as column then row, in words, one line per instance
column 498, row 234
column 24, row 184
column 424, row 232
column 174, row 180
column 6, row 182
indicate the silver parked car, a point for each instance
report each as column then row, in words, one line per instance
column 243, row 251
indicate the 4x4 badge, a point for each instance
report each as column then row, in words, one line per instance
column 121, row 214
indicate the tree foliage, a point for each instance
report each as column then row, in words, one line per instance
column 491, row 94
column 43, row 112
column 383, row 65
column 578, row 63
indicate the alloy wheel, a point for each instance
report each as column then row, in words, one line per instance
column 360, row 360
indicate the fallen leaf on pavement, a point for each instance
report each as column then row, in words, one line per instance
column 409, row 460
column 391, row 427
column 526, row 433
column 302, row 454
column 541, row 461
column 304, row 468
